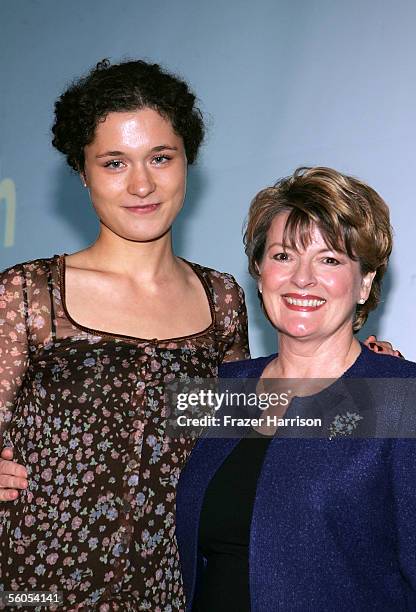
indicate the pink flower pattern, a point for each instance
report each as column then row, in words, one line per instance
column 85, row 413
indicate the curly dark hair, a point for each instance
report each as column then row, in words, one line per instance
column 130, row 85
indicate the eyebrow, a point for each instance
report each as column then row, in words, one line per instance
column 163, row 147
column 279, row 244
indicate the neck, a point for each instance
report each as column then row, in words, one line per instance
column 320, row 358
column 143, row 260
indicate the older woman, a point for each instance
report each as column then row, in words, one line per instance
column 282, row 523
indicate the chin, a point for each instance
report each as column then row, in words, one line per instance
column 299, row 325
column 149, row 235
column 297, row 331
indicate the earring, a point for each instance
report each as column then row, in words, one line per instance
column 361, row 301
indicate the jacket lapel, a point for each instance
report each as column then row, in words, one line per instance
column 207, row 456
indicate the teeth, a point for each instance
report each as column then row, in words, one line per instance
column 313, row 303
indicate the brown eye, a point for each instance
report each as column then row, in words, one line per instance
column 281, row 257
column 331, row 261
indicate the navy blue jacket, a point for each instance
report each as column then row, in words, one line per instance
column 334, row 521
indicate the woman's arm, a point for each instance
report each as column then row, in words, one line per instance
column 13, row 365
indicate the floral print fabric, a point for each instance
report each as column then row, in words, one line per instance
column 85, row 413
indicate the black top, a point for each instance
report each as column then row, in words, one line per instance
column 224, row 530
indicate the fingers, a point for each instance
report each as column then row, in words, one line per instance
column 7, row 453
column 12, row 482
column 8, row 494
column 382, row 346
column 386, row 346
column 12, row 477
column 375, row 346
column 9, row 468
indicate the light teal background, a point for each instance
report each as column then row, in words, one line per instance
column 282, row 83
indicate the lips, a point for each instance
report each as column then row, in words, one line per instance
column 303, row 303
column 143, row 209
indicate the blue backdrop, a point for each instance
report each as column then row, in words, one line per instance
column 282, row 83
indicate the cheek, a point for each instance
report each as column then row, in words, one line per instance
column 272, row 284
column 340, row 285
column 101, row 183
column 271, row 278
column 175, row 183
column 107, row 192
column 336, row 286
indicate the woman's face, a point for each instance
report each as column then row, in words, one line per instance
column 135, row 169
column 311, row 293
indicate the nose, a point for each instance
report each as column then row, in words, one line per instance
column 141, row 182
column 303, row 275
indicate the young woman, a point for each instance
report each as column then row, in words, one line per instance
column 87, row 343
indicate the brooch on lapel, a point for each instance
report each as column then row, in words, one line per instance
column 344, row 424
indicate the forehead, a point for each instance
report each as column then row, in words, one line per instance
column 276, row 233
column 136, row 128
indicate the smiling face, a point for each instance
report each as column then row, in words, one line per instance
column 309, row 293
column 135, row 169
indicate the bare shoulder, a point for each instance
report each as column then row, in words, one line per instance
column 80, row 260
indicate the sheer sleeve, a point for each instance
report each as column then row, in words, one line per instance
column 13, row 341
column 238, row 347
column 230, row 315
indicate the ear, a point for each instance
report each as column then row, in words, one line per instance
column 366, row 283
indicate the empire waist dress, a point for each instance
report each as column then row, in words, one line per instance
column 85, row 412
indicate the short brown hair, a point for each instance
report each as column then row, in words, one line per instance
column 351, row 216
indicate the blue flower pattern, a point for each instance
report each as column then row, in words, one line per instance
column 85, row 413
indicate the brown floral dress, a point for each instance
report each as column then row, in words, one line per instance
column 85, row 413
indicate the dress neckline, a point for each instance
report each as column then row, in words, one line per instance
column 61, row 263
